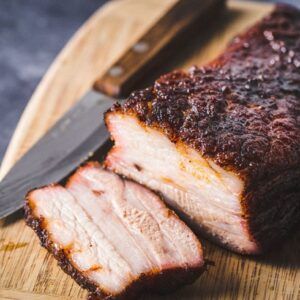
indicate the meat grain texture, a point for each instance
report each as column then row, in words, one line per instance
column 221, row 142
column 114, row 237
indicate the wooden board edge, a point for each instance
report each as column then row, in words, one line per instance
column 16, row 143
column 14, row 148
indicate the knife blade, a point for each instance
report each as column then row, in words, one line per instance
column 65, row 146
column 81, row 131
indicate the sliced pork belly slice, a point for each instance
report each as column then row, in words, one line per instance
column 113, row 236
column 221, row 143
column 190, row 184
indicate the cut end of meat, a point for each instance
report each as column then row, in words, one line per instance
column 113, row 236
column 221, row 142
column 204, row 193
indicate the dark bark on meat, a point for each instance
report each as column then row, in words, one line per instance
column 242, row 111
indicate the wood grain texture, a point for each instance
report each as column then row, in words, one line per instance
column 149, row 50
column 92, row 50
column 26, row 270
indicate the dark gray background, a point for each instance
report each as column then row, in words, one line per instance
column 32, row 32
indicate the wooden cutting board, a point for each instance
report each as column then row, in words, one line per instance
column 26, row 270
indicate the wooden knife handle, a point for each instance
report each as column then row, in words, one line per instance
column 122, row 76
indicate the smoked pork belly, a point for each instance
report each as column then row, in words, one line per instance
column 113, row 236
column 221, row 143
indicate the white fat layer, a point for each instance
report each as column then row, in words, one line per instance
column 183, row 241
column 98, row 206
column 205, row 192
column 113, row 230
column 89, row 249
column 137, row 220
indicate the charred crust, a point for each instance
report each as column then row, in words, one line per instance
column 242, row 110
column 272, row 208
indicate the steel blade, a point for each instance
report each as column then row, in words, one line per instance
column 80, row 132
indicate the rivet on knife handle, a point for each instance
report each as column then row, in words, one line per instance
column 133, row 64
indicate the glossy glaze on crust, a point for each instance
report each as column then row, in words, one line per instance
column 158, row 279
column 243, row 109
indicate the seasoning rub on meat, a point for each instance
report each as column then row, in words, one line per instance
column 221, row 143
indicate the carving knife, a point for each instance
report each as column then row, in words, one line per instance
column 81, row 131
